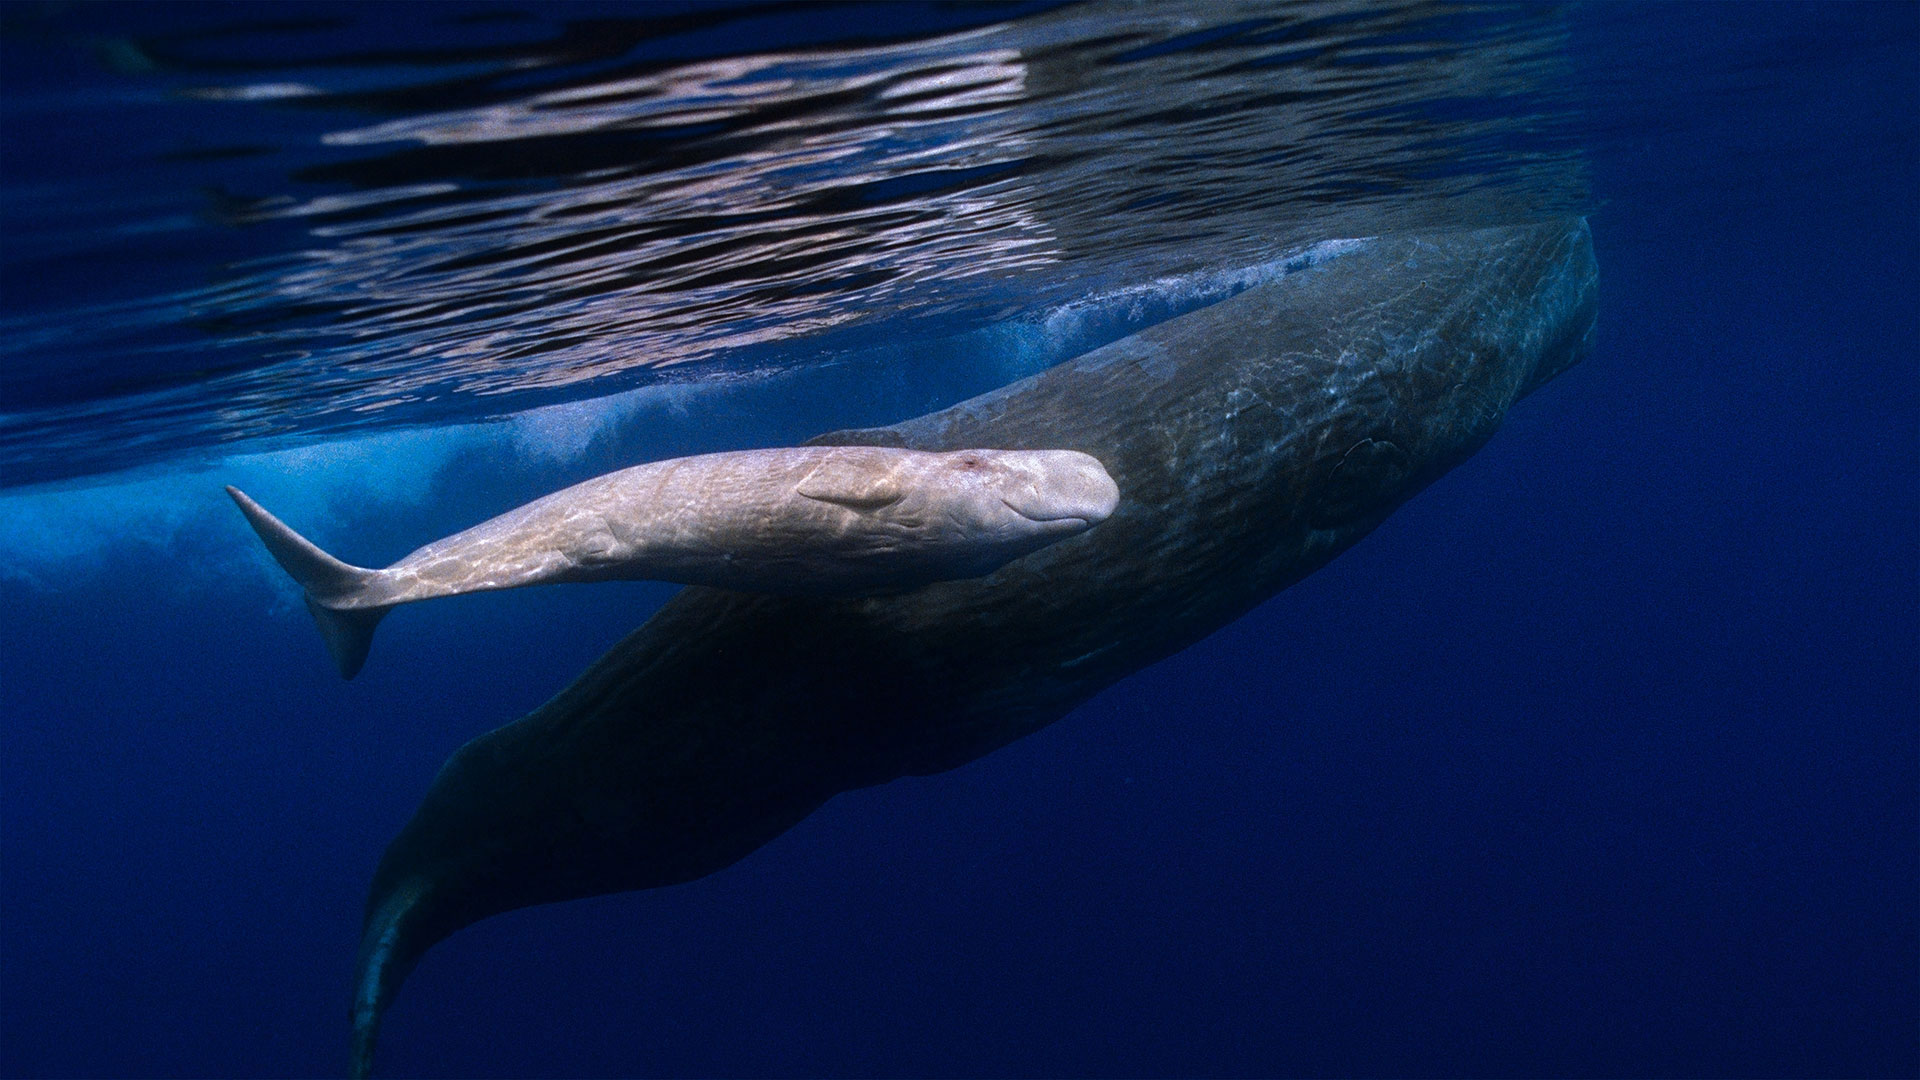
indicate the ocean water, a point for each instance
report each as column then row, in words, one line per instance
column 1600, row 757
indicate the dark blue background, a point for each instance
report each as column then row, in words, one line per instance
column 1599, row 758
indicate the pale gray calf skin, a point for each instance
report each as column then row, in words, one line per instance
column 1251, row 441
column 816, row 519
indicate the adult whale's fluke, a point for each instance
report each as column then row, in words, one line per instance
column 1252, row 441
column 830, row 520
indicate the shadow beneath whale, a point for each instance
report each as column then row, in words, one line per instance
column 1252, row 441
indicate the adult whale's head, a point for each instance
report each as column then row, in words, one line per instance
column 959, row 513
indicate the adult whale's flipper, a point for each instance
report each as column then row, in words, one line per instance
column 348, row 631
column 1251, row 442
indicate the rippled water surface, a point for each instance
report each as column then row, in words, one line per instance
column 232, row 222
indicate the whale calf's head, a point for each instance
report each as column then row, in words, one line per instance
column 981, row 508
column 964, row 512
column 1051, row 492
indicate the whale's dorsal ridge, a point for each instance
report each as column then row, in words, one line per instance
column 882, row 436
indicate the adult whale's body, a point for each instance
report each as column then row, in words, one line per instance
column 1251, row 441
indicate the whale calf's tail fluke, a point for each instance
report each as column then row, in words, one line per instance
column 337, row 593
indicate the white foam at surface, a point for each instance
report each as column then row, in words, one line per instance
column 565, row 431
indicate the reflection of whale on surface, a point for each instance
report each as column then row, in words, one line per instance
column 1254, row 440
column 850, row 519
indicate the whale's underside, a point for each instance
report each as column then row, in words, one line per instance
column 1251, row 441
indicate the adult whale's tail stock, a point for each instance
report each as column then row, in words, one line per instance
column 389, row 948
column 329, row 583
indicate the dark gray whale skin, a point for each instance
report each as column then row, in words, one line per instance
column 1252, row 441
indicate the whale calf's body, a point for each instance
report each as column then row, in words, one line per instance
column 1252, row 440
column 799, row 519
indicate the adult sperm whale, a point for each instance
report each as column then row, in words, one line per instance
column 801, row 519
column 1251, row 440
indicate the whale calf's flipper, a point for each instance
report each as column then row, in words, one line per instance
column 330, row 584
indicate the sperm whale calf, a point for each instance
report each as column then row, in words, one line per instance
column 825, row 520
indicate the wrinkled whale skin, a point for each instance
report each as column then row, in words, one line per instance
column 1251, row 441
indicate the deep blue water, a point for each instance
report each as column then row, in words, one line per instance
column 1600, row 757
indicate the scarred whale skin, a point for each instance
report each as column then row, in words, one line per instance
column 1251, row 441
column 814, row 519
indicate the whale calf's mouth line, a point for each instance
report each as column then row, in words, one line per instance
column 1036, row 518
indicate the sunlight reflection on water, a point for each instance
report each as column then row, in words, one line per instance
column 466, row 245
